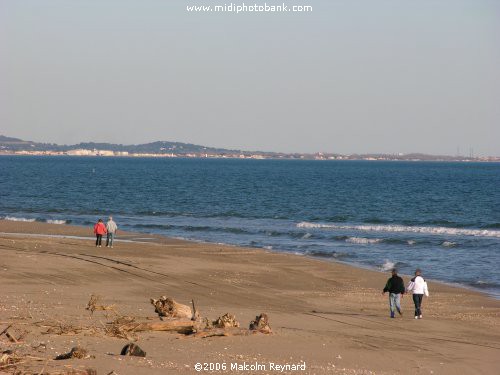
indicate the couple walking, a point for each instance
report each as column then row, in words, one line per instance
column 396, row 288
column 109, row 230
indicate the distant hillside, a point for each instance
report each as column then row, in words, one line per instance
column 15, row 144
column 10, row 145
column 9, row 139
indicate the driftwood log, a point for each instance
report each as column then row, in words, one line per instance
column 260, row 324
column 70, row 371
column 93, row 305
column 167, row 307
column 222, row 332
column 226, row 321
column 227, row 325
column 76, row 352
column 180, row 326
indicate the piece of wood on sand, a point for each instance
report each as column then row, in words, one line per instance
column 180, row 326
column 226, row 321
column 260, row 324
column 5, row 331
column 227, row 325
column 222, row 332
column 72, row 371
column 93, row 305
column 76, row 352
column 166, row 307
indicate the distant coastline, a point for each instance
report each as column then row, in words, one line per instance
column 164, row 149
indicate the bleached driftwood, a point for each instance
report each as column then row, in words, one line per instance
column 227, row 325
column 180, row 326
column 93, row 305
column 222, row 332
column 226, row 321
column 72, row 371
column 260, row 324
column 167, row 307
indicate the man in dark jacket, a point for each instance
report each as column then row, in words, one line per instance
column 396, row 288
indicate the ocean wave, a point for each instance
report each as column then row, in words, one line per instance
column 375, row 220
column 273, row 233
column 480, row 284
column 55, row 221
column 153, row 226
column 192, row 228
column 449, row 244
column 329, row 254
column 402, row 228
column 388, row 265
column 492, row 226
column 363, row 241
column 12, row 218
column 337, row 218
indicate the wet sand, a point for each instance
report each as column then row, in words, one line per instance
column 329, row 315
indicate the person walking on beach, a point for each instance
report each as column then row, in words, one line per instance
column 99, row 230
column 396, row 288
column 111, row 229
column 418, row 287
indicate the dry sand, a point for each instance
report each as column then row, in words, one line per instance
column 330, row 316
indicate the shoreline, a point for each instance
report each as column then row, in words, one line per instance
column 493, row 295
column 329, row 315
column 487, row 159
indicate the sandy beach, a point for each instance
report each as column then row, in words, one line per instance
column 330, row 316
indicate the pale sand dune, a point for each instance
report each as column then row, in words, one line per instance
column 329, row 315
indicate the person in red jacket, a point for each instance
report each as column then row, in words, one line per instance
column 99, row 231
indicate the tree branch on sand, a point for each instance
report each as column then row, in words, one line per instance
column 93, row 305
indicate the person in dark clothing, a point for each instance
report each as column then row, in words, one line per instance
column 396, row 288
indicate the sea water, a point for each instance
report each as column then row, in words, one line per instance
column 441, row 217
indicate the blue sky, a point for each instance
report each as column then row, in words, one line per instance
column 351, row 76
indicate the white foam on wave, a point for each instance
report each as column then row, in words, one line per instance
column 402, row 228
column 387, row 266
column 361, row 240
column 12, row 218
column 411, row 242
column 449, row 244
column 56, row 221
column 306, row 236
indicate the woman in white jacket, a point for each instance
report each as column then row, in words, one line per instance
column 418, row 287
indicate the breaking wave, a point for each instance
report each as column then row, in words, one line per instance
column 388, row 265
column 408, row 229
column 12, row 218
column 449, row 244
column 50, row 221
column 363, row 241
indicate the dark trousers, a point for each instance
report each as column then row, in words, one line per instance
column 417, row 300
column 98, row 239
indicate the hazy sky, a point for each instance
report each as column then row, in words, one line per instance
column 352, row 76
